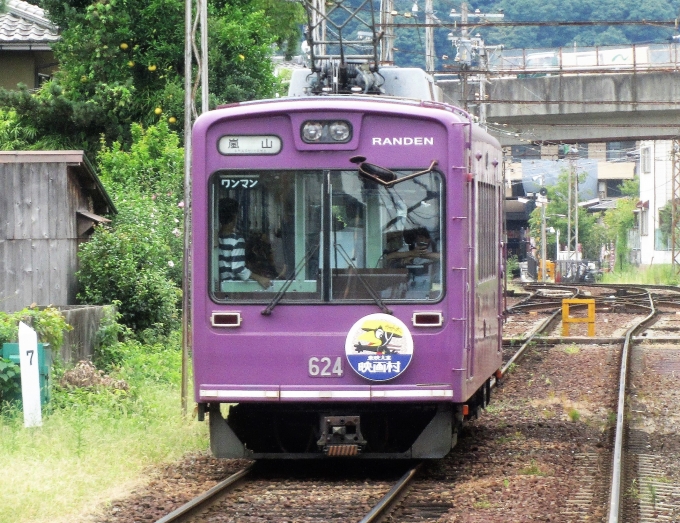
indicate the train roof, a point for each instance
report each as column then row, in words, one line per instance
column 345, row 102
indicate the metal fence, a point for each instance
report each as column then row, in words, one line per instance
column 547, row 61
column 577, row 271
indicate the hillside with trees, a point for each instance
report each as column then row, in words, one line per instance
column 410, row 43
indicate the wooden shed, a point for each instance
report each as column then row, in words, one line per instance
column 50, row 202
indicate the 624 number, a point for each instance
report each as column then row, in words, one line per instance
column 325, row 367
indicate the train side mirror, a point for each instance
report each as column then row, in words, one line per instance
column 383, row 176
column 370, row 171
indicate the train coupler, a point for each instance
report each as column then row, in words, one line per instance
column 341, row 436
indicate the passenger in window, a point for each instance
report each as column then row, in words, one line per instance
column 260, row 256
column 232, row 248
column 417, row 249
column 419, row 255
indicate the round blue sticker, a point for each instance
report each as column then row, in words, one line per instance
column 379, row 347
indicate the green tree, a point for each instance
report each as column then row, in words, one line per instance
column 138, row 260
column 122, row 62
column 591, row 233
column 619, row 221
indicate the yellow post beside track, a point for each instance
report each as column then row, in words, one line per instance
column 568, row 320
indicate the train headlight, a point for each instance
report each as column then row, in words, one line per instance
column 312, row 131
column 328, row 132
column 339, row 131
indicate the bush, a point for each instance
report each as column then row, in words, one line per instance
column 109, row 345
column 10, row 383
column 121, row 265
column 48, row 323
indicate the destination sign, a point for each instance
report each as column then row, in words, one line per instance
column 259, row 144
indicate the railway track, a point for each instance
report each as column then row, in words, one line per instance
column 651, row 446
column 546, row 448
column 645, row 484
column 262, row 492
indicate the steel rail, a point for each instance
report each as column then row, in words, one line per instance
column 529, row 339
column 388, row 499
column 204, row 500
column 617, row 465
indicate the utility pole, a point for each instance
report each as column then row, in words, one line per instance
column 386, row 20
column 467, row 48
column 570, row 174
column 572, row 204
column 193, row 21
column 675, row 206
column 429, row 37
column 543, row 240
column 542, row 200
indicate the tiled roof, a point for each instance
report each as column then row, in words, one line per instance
column 23, row 23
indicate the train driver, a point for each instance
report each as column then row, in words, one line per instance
column 419, row 255
column 232, row 252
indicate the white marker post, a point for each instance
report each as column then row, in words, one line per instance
column 30, row 375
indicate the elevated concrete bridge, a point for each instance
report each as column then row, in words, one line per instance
column 594, row 104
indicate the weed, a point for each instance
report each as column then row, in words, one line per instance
column 482, row 504
column 633, row 492
column 652, row 493
column 96, row 435
column 506, row 483
column 661, row 479
column 574, row 415
column 532, row 470
column 572, row 349
column 657, row 273
column 495, row 408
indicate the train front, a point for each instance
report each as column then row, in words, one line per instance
column 333, row 305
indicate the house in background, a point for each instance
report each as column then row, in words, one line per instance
column 656, row 192
column 26, row 39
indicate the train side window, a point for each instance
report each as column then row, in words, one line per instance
column 265, row 230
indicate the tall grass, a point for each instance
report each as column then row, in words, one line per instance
column 95, row 442
column 644, row 275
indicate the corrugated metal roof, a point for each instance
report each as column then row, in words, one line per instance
column 603, row 205
column 25, row 23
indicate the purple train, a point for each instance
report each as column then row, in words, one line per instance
column 347, row 268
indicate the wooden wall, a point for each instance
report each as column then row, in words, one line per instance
column 85, row 319
column 38, row 231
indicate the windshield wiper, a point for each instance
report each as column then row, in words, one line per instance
column 369, row 289
column 286, row 284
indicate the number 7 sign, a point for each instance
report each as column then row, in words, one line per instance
column 30, row 375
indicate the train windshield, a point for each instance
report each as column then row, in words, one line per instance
column 329, row 236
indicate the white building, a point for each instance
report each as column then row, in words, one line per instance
column 656, row 173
